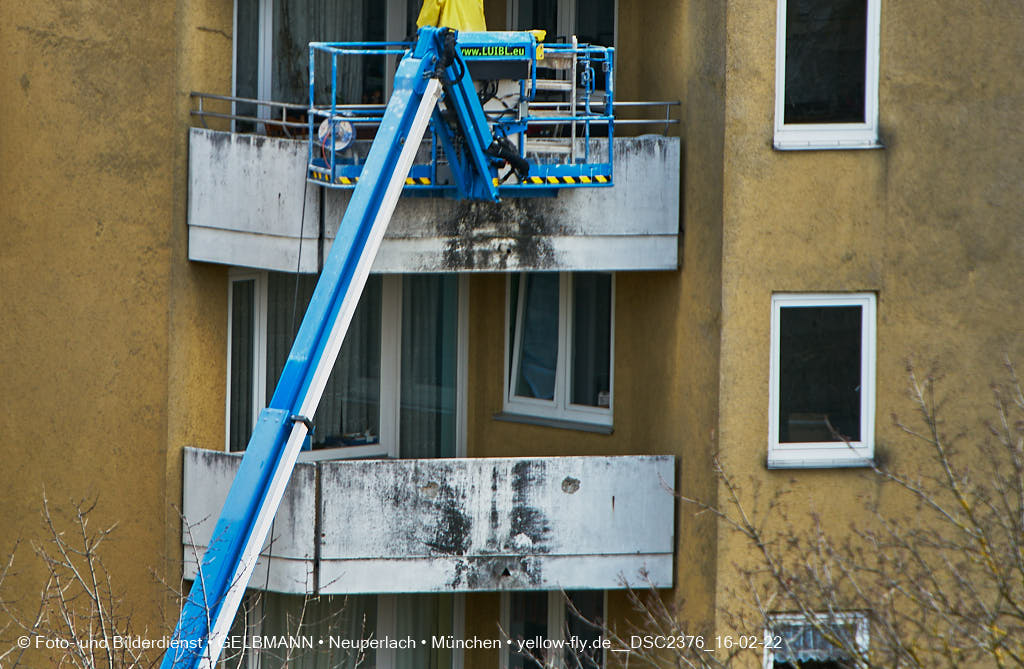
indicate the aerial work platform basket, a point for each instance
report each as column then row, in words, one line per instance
column 552, row 103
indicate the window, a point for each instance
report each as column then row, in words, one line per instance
column 558, row 616
column 822, row 393
column 559, row 346
column 593, row 21
column 793, row 641
column 314, row 618
column 271, row 54
column 826, row 74
column 393, row 390
column 272, row 615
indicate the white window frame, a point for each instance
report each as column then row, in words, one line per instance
column 390, row 371
column 558, row 601
column 862, row 635
column 259, row 353
column 825, row 454
column 559, row 408
column 817, row 136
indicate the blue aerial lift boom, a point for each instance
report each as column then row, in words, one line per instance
column 432, row 90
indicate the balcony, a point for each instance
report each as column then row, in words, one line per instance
column 249, row 205
column 452, row 525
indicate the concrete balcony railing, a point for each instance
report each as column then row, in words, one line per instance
column 453, row 525
column 246, row 208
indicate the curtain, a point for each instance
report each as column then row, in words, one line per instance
column 528, row 619
column 242, row 340
column 299, row 22
column 349, row 412
column 429, row 338
column 591, row 339
column 538, row 337
column 422, row 617
column 352, row 617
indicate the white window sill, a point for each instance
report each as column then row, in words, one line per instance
column 807, row 459
column 553, row 422
column 793, row 144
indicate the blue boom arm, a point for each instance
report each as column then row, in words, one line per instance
column 434, row 66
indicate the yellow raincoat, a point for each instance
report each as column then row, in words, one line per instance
column 457, row 14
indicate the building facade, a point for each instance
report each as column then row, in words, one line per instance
column 524, row 385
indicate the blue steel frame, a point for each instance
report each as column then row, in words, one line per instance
column 330, row 168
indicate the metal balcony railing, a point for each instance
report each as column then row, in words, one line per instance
column 289, row 120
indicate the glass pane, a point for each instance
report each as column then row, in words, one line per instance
column 429, row 339
column 528, row 621
column 583, row 620
column 538, row 337
column 349, row 412
column 234, row 653
column 819, row 379
column 825, row 61
column 412, row 12
column 423, row 617
column 595, row 22
column 242, row 340
column 513, row 310
column 539, row 15
column 813, row 664
column 299, row 22
column 352, row 617
column 246, row 60
column 804, row 646
column 591, row 339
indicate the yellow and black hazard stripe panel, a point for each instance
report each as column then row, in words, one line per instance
column 553, row 180
column 417, row 181
column 326, row 178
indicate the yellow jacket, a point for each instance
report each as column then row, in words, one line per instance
column 457, row 14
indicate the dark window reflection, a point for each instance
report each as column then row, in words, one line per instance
column 825, row 51
column 819, row 379
column 528, row 621
column 584, row 616
column 591, row 339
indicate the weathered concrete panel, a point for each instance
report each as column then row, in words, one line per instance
column 495, row 573
column 246, row 193
column 496, row 523
column 456, row 525
column 252, row 188
column 286, row 563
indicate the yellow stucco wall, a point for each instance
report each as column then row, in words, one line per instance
column 930, row 222
column 103, row 331
column 109, row 346
column 666, row 323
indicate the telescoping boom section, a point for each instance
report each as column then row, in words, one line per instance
column 472, row 152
